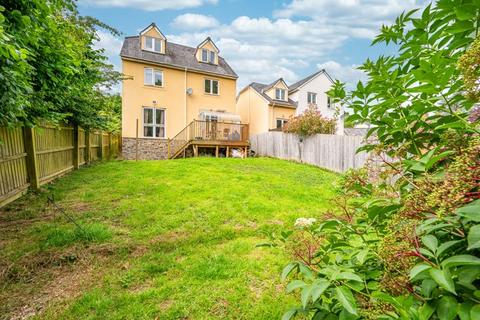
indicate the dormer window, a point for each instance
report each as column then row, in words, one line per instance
column 153, row 44
column 208, row 56
column 280, row 94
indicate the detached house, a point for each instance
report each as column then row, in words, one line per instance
column 268, row 107
column 169, row 86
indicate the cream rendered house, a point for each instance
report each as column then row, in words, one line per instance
column 258, row 105
column 170, row 85
column 265, row 107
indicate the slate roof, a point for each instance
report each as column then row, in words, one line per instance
column 261, row 88
column 300, row 83
column 176, row 55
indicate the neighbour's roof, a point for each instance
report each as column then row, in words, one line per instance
column 261, row 88
column 177, row 56
column 300, row 83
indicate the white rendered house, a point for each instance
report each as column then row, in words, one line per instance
column 312, row 90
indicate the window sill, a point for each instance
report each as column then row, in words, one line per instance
column 153, row 86
column 211, row 94
column 152, row 51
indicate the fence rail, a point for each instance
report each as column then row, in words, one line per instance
column 30, row 157
column 333, row 152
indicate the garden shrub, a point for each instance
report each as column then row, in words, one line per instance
column 309, row 123
column 408, row 247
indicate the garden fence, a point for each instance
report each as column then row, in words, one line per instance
column 31, row 157
column 333, row 152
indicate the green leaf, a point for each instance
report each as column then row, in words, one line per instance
column 475, row 312
column 348, row 276
column 345, row 297
column 295, row 284
column 443, row 279
column 289, row 268
column 474, row 237
column 464, row 310
column 461, row 260
column 425, row 311
column 345, row 315
column 471, row 211
column 319, row 286
column 419, row 268
column 362, row 256
column 431, row 242
column 305, row 295
column 447, row 308
column 289, row 314
column 445, row 246
column 465, row 12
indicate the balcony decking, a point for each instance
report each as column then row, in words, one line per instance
column 222, row 136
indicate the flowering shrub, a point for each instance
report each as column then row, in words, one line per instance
column 405, row 242
column 309, row 123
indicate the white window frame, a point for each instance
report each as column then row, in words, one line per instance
column 284, row 121
column 282, row 94
column 153, row 124
column 154, row 41
column 207, row 53
column 209, row 56
column 211, row 87
column 154, row 73
column 311, row 98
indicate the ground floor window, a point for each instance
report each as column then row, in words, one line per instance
column 281, row 123
column 154, row 122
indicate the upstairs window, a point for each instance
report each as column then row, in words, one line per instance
column 311, row 98
column 154, row 123
column 211, row 86
column 208, row 56
column 153, row 77
column 281, row 123
column 153, row 44
column 279, row 94
column 329, row 102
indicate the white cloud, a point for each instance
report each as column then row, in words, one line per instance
column 149, row 5
column 109, row 43
column 192, row 21
column 349, row 74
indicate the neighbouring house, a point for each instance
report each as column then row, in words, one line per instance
column 169, row 86
column 268, row 107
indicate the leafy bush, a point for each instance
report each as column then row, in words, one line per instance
column 405, row 243
column 309, row 123
column 49, row 68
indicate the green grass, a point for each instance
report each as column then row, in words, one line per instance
column 159, row 240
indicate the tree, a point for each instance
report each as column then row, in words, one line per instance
column 49, row 69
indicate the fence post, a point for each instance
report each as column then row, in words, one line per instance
column 76, row 147
column 101, row 145
column 110, row 152
column 87, row 146
column 31, row 159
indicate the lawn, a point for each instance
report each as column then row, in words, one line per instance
column 157, row 240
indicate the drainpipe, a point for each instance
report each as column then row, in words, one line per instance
column 185, row 92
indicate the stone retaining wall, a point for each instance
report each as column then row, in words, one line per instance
column 148, row 149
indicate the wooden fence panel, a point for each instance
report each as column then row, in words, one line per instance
column 13, row 168
column 31, row 157
column 95, row 145
column 333, row 152
column 54, row 151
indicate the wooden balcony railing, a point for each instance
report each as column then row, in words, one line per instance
column 199, row 130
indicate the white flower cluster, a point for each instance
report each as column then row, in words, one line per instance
column 305, row 222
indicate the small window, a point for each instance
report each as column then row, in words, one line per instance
column 211, row 86
column 154, row 122
column 279, row 94
column 329, row 102
column 311, row 98
column 153, row 44
column 204, row 55
column 153, row 77
column 281, row 123
column 212, row 57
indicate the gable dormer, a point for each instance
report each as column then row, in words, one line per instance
column 153, row 40
column 278, row 90
column 207, row 52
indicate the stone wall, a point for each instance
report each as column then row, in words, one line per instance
column 148, row 149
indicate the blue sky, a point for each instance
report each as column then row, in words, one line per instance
column 263, row 39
